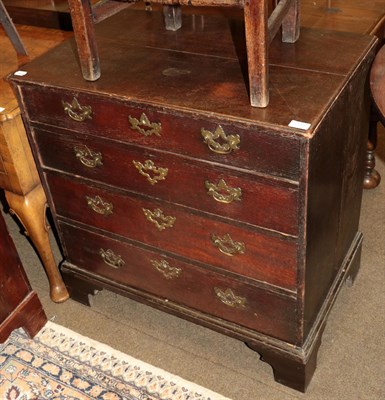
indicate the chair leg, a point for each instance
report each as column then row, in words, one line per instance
column 371, row 178
column 172, row 17
column 291, row 23
column 11, row 30
column 257, row 42
column 83, row 27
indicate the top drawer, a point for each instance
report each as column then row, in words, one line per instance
column 208, row 138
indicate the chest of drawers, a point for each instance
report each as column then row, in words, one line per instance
column 166, row 186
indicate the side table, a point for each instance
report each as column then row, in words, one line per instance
column 359, row 17
column 18, row 174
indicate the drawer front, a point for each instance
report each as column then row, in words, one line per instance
column 207, row 138
column 268, row 258
column 225, row 192
column 180, row 282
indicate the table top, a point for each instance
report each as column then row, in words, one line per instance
column 37, row 41
column 198, row 68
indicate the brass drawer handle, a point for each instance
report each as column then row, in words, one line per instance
column 230, row 142
column 222, row 192
column 145, row 126
column 87, row 157
column 153, row 173
column 100, row 206
column 229, row 298
column 77, row 112
column 227, row 246
column 111, row 259
column 159, row 219
column 166, row 269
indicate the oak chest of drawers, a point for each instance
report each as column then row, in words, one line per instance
column 166, row 186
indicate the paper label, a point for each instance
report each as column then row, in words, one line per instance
column 20, row 73
column 300, row 125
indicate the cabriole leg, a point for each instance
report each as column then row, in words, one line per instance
column 31, row 211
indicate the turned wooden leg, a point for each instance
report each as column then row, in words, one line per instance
column 30, row 210
column 372, row 178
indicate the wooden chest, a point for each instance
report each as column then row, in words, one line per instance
column 166, row 186
column 19, row 305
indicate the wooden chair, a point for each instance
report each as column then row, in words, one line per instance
column 260, row 29
column 11, row 31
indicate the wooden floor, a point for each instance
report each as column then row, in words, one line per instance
column 361, row 16
column 44, row 13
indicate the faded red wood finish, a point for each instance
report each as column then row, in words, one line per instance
column 261, row 250
column 274, row 203
column 364, row 16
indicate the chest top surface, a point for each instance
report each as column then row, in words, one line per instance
column 200, row 69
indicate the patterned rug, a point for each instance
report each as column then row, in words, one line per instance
column 59, row 364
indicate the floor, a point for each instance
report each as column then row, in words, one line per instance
column 351, row 360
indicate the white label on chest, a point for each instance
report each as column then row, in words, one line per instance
column 20, row 73
column 300, row 125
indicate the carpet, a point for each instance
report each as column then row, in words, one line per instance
column 59, row 364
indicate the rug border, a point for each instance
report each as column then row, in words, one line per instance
column 132, row 361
